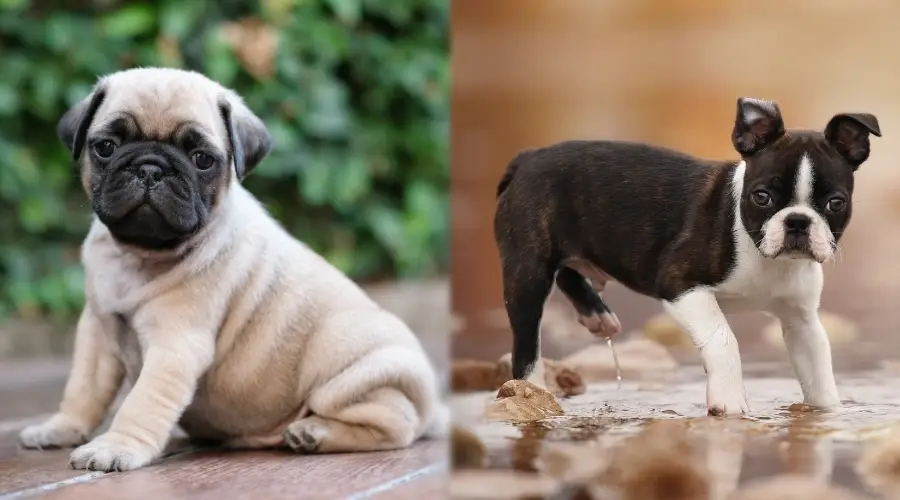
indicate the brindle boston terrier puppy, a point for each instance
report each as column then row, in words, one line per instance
column 704, row 237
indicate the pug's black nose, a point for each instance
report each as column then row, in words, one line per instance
column 797, row 223
column 149, row 173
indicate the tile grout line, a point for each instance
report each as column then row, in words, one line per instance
column 46, row 488
column 83, row 478
column 393, row 483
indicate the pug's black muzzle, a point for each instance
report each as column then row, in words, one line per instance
column 148, row 196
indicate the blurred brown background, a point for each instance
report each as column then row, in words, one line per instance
column 533, row 72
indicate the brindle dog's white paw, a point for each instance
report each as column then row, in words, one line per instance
column 724, row 400
column 111, row 452
column 306, row 435
column 58, row 431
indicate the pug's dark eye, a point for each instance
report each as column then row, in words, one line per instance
column 761, row 198
column 104, row 149
column 203, row 160
column 836, row 204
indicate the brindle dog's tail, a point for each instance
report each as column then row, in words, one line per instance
column 511, row 170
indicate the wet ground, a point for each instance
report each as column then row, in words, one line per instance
column 548, row 458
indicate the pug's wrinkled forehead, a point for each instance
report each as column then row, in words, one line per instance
column 161, row 106
column 168, row 105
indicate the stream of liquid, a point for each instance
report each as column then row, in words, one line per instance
column 612, row 348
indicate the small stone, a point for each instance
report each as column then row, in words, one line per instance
column 660, row 463
column 522, row 401
column 471, row 375
column 572, row 463
column 467, row 450
column 793, row 487
column 501, row 485
column 595, row 363
column 666, row 332
column 561, row 380
column 879, row 463
column 569, row 382
column 840, row 330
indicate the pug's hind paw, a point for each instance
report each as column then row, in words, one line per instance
column 305, row 435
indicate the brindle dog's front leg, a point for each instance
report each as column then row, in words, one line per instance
column 698, row 312
column 810, row 353
column 176, row 352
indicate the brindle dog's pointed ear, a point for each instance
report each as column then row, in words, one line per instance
column 250, row 139
column 758, row 123
column 849, row 134
column 73, row 126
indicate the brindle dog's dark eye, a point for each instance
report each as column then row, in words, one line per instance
column 104, row 149
column 761, row 198
column 836, row 204
column 203, row 160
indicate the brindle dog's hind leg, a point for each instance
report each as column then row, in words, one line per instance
column 593, row 312
column 526, row 285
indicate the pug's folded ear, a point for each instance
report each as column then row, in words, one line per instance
column 250, row 139
column 73, row 126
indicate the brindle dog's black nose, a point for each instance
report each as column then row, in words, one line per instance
column 797, row 223
column 149, row 173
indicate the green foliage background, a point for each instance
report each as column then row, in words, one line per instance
column 356, row 100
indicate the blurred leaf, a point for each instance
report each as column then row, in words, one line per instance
column 129, row 21
column 176, row 17
column 9, row 100
column 347, row 11
column 220, row 63
column 329, row 116
column 13, row 4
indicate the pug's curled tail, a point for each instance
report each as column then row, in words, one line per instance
column 511, row 170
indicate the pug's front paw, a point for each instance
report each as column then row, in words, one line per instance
column 112, row 452
column 58, row 431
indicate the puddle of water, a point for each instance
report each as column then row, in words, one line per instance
column 777, row 437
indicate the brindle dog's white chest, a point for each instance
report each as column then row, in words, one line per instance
column 759, row 284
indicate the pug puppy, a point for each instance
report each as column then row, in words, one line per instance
column 222, row 322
